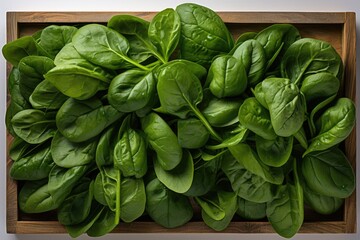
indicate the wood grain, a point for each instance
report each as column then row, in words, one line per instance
column 336, row 28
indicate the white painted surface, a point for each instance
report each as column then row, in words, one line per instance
column 148, row 5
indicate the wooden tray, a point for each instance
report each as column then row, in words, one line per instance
column 335, row 28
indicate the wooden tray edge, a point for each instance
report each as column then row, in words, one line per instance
column 349, row 35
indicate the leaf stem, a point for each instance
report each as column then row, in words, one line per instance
column 206, row 123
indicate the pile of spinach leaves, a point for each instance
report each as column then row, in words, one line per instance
column 111, row 123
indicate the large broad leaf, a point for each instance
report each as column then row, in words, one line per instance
column 163, row 140
column 164, row 32
column 76, row 81
column 276, row 39
column 104, row 224
column 256, row 118
column 76, row 207
column 251, row 55
column 16, row 50
column 275, row 152
column 47, row 96
column 79, row 121
column 32, row 70
column 180, row 92
column 286, row 211
column 132, row 199
column 329, row 173
column 286, row 105
column 179, row 89
column 244, row 183
column 34, row 126
column 35, row 197
column 130, row 155
column 18, row 101
column 110, row 46
column 336, row 123
column 319, row 202
column 249, row 159
column 309, row 56
column 226, row 201
column 199, row 23
column 63, row 180
column 53, row 38
column 180, row 178
column 251, row 210
column 227, row 77
column 35, row 166
column 68, row 154
column 165, row 207
column 131, row 90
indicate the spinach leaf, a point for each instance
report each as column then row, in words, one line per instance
column 20, row 148
column 131, row 90
column 319, row 202
column 276, row 39
column 222, row 112
column 204, row 177
column 329, row 173
column 227, row 77
column 79, row 121
column 104, row 155
column 69, row 56
column 47, row 96
column 53, row 38
column 180, row 92
column 16, row 50
column 243, row 37
column 77, row 82
column 104, row 224
column 32, row 70
column 165, row 207
column 34, row 126
column 226, row 201
column 76, row 207
column 211, row 208
column 203, row 34
column 111, row 179
column 63, row 180
column 191, row 133
column 286, row 104
column 78, row 229
column 68, row 154
column 132, row 199
column 237, row 136
column 110, row 46
column 275, row 152
column 244, row 183
column 336, row 123
column 35, row 197
column 164, row 32
column 250, row 160
column 18, row 101
column 286, row 211
column 163, row 140
column 136, row 30
column 256, row 118
column 130, row 154
column 180, row 178
column 309, row 56
column 35, row 166
column 251, row 210
column 251, row 55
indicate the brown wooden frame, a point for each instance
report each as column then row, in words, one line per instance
column 323, row 25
